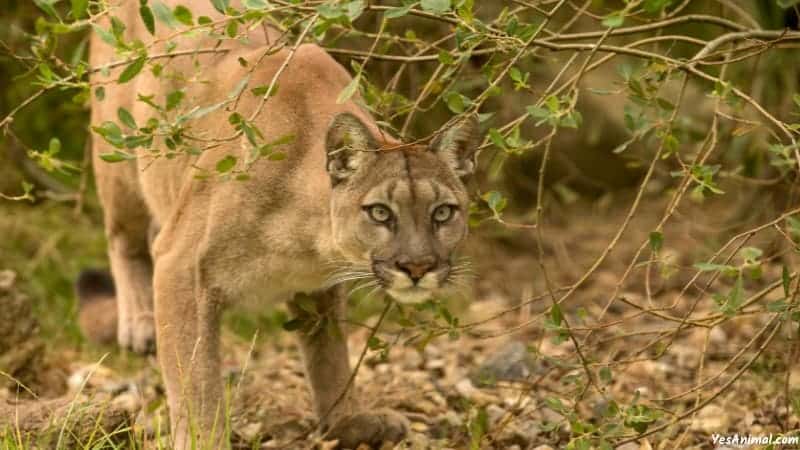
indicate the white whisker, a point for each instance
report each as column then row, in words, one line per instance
column 362, row 286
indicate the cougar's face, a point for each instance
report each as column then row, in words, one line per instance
column 398, row 215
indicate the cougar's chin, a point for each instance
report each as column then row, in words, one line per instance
column 410, row 295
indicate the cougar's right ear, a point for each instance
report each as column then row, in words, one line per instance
column 346, row 144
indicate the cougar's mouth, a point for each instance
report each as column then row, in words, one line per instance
column 379, row 276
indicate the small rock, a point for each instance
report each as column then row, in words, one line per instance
column 434, row 364
column 465, row 388
column 419, row 427
column 629, row 446
column 718, row 336
column 550, row 415
column 543, row 447
column 521, row 433
column 128, row 401
column 711, row 419
column 7, row 278
column 512, row 362
column 495, row 413
column 450, row 418
column 250, row 431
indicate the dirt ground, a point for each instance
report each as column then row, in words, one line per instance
column 500, row 377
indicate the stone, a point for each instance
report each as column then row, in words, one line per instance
column 495, row 414
column 711, row 419
column 512, row 362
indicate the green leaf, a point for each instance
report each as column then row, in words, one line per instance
column 116, row 156
column 751, row 254
column 260, row 91
column 100, row 93
column 785, row 280
column 656, row 241
column 655, row 6
column 54, row 146
column 232, row 28
column 736, row 297
column 709, row 267
column 283, row 140
column 164, row 14
column 47, row 6
column 226, row 164
column 79, row 8
column 330, row 11
column 537, row 112
column 614, row 20
column 349, row 90
column 183, row 15
column 293, row 325
column 255, row 4
column 174, row 98
column 787, row 3
column 111, row 133
column 126, row 118
column 400, row 11
column 456, row 102
column 104, row 35
column 497, row 203
column 555, row 314
column 435, row 6
column 147, row 18
column 605, row 375
column 354, row 9
column 238, row 88
column 132, row 70
column 220, row 5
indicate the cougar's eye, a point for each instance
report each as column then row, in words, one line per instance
column 379, row 213
column 443, row 213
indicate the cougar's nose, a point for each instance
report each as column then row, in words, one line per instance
column 416, row 269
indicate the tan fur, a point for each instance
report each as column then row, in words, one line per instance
column 296, row 227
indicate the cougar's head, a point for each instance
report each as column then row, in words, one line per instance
column 398, row 214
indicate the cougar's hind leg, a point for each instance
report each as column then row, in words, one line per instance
column 127, row 221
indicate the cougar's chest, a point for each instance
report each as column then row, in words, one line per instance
column 270, row 279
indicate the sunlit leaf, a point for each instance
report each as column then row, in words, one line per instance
column 147, row 18
column 132, row 69
column 348, row 91
column 183, row 15
column 435, row 6
column 226, row 164
column 126, row 118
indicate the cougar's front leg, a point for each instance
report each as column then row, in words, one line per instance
column 327, row 367
column 187, row 329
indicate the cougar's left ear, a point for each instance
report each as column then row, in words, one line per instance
column 457, row 144
column 346, row 144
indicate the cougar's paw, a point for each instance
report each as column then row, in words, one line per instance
column 372, row 428
column 138, row 335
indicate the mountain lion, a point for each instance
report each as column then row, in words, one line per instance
column 347, row 202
